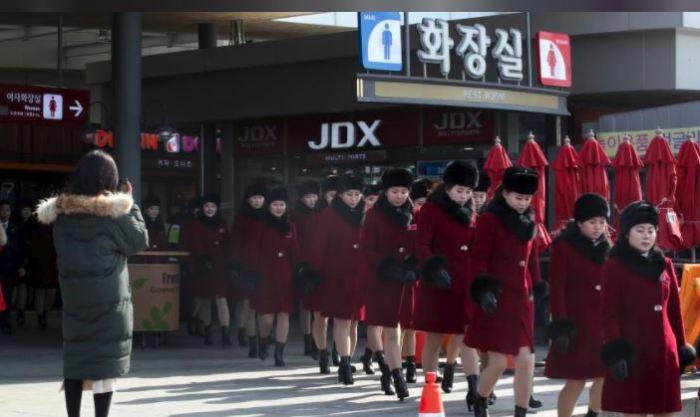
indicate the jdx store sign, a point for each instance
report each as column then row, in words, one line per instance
column 362, row 132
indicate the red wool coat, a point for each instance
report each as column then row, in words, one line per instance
column 382, row 237
column 648, row 315
column 243, row 233
column 575, row 294
column 210, row 242
column 157, row 240
column 274, row 256
column 336, row 255
column 439, row 234
column 499, row 254
column 303, row 221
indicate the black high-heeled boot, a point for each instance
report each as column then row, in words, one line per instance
column 279, row 354
column 207, row 336
column 533, row 403
column 481, row 406
column 262, row 348
column 345, row 372
column 448, row 377
column 225, row 337
column 472, row 390
column 324, row 368
column 492, row 398
column 252, row 347
column 242, row 340
column 411, row 370
column 367, row 362
column 335, row 356
column 385, row 379
column 520, row 412
column 399, row 384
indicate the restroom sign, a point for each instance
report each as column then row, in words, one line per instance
column 554, row 54
column 380, row 40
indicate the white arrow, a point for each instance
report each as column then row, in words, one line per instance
column 77, row 108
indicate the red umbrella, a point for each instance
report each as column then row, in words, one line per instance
column 567, row 183
column 531, row 156
column 661, row 190
column 628, row 188
column 688, row 192
column 593, row 161
column 496, row 163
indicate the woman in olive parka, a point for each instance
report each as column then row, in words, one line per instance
column 95, row 229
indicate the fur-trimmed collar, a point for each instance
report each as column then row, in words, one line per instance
column 281, row 224
column 250, row 212
column 463, row 214
column 107, row 205
column 401, row 216
column 354, row 217
column 212, row 222
column 521, row 225
column 649, row 267
column 594, row 251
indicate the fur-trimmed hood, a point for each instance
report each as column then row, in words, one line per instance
column 107, row 205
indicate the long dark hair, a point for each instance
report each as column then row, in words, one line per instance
column 95, row 174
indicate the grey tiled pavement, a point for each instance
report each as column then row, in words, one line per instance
column 185, row 379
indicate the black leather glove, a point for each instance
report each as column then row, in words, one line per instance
column 409, row 277
column 686, row 357
column 561, row 333
column 389, row 270
column 252, row 279
column 488, row 302
column 619, row 369
column 561, row 344
column 443, row 280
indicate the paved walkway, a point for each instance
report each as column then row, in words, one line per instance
column 186, row 379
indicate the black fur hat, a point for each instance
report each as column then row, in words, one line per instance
column 330, row 183
column 372, row 189
column 521, row 180
column 277, row 194
column 211, row 198
column 350, row 182
column 484, row 182
column 309, row 187
column 420, row 188
column 637, row 213
column 396, row 177
column 255, row 189
column 461, row 173
column 150, row 201
column 590, row 205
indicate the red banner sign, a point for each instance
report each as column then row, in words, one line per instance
column 44, row 105
column 453, row 126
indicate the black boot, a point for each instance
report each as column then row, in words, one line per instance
column 533, row 403
column 492, row 398
column 41, row 321
column 324, row 368
column 242, row 340
column 472, row 390
column 262, row 348
column 592, row 413
column 520, row 411
column 335, row 357
column 411, row 370
column 399, row 384
column 481, row 406
column 367, row 362
column 386, row 373
column 225, row 337
column 20, row 317
column 279, row 354
column 252, row 347
column 345, row 372
column 207, row 336
column 308, row 341
column 448, row 377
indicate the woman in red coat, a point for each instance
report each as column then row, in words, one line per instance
column 445, row 234
column 336, row 255
column 575, row 278
column 210, row 242
column 245, row 229
column 506, row 274
column 275, row 251
column 303, row 216
column 387, row 242
column 314, row 298
column 645, row 349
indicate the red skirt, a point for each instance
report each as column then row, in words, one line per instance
column 439, row 311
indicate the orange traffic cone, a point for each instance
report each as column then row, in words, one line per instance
column 430, row 401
